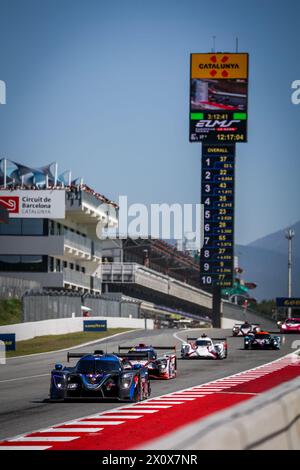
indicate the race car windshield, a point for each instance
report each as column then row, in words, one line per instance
column 246, row 325
column 151, row 354
column 292, row 322
column 203, row 342
column 96, row 367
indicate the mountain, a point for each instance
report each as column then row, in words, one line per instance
column 265, row 262
column 278, row 243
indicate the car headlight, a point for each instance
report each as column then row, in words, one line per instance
column 59, row 381
column 126, row 380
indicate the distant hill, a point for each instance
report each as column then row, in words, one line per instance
column 278, row 243
column 265, row 262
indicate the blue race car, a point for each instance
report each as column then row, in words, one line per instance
column 261, row 340
column 100, row 376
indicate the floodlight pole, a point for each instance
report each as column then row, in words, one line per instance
column 5, row 172
column 289, row 235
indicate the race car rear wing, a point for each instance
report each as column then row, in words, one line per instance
column 164, row 348
column 134, row 355
column 213, row 339
column 72, row 355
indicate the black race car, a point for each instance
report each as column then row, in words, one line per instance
column 100, row 376
column 261, row 340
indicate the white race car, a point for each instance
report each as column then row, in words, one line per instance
column 204, row 348
column 243, row 329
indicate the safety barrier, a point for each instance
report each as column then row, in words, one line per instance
column 61, row 326
column 266, row 422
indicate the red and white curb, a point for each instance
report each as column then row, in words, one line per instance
column 130, row 426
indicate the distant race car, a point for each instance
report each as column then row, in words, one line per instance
column 243, row 329
column 290, row 325
column 204, row 348
column 261, row 340
column 159, row 367
column 100, row 375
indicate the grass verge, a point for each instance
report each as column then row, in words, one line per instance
column 54, row 342
column 10, row 311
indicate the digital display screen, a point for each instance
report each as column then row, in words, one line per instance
column 217, row 196
column 218, row 98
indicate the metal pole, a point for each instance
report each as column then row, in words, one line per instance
column 4, row 172
column 289, row 236
column 55, row 174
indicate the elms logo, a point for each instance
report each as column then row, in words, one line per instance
column 2, row 92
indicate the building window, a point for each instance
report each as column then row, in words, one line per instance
column 23, row 263
column 25, row 227
column 57, row 265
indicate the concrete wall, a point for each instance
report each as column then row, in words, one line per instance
column 227, row 323
column 60, row 326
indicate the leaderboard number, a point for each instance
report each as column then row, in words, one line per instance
column 206, row 280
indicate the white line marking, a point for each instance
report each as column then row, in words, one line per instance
column 24, row 447
column 80, row 430
column 190, row 395
column 180, row 397
column 121, row 416
column 137, row 411
column 165, row 402
column 45, row 439
column 151, row 406
column 96, row 422
column 24, row 378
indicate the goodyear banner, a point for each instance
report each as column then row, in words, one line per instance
column 94, row 325
column 287, row 302
column 218, row 98
column 9, row 339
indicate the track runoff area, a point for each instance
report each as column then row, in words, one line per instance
column 202, row 387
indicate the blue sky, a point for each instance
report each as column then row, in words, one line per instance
column 102, row 88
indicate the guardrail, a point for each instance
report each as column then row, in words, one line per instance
column 267, row 422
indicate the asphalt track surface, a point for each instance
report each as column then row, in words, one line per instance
column 24, row 382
